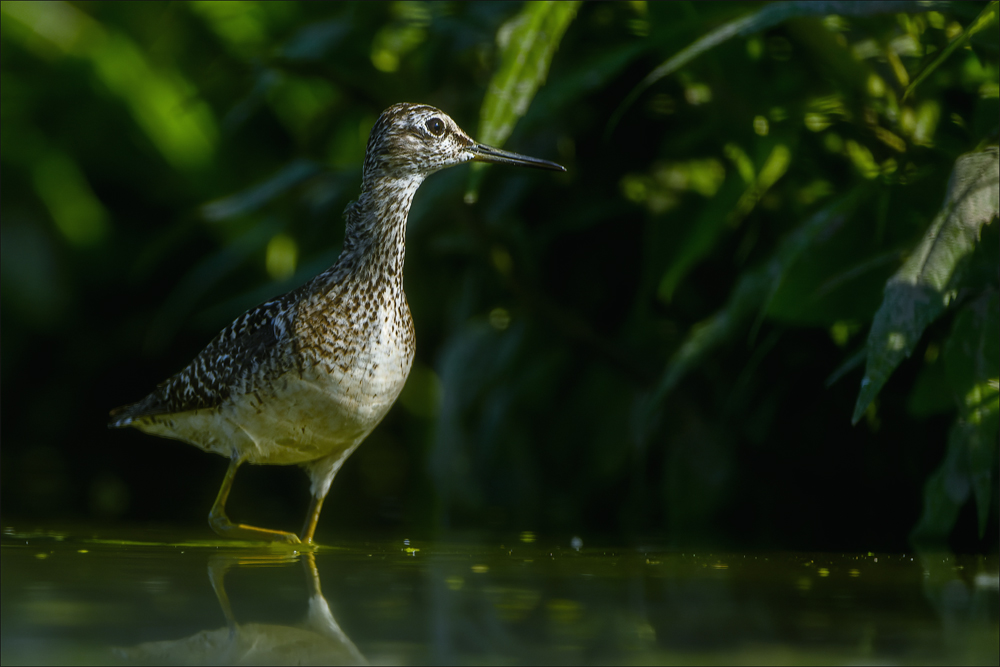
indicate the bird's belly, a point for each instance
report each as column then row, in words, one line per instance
column 313, row 415
column 300, row 418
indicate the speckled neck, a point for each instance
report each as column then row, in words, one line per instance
column 375, row 234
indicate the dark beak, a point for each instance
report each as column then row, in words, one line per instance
column 483, row 153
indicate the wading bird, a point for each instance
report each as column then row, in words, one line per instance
column 304, row 378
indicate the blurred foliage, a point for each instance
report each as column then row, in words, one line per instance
column 663, row 341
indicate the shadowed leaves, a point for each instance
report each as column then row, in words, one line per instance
column 767, row 17
column 972, row 365
column 750, row 296
column 985, row 19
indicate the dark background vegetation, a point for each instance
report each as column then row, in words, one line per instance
column 597, row 354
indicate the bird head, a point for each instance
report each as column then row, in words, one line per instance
column 414, row 140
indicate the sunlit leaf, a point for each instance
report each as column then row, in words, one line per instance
column 764, row 18
column 162, row 101
column 401, row 36
column 527, row 44
column 77, row 213
column 919, row 292
column 986, row 18
column 281, row 257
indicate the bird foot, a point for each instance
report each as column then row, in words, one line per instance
column 221, row 524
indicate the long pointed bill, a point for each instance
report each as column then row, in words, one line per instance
column 482, row 153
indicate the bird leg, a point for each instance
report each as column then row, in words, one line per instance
column 221, row 524
column 312, row 518
column 217, row 568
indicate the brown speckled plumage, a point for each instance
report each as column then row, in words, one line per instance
column 305, row 377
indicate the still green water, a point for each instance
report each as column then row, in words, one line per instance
column 158, row 597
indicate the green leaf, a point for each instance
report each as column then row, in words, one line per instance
column 920, row 291
column 853, row 361
column 702, row 235
column 764, row 18
column 202, row 278
column 734, row 201
column 751, row 294
column 931, row 394
column 967, row 467
column 527, row 44
column 583, row 77
column 972, row 357
column 946, row 490
column 986, row 18
column 316, row 41
column 257, row 195
column 838, row 282
column 972, row 365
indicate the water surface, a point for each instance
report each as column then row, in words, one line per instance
column 158, row 596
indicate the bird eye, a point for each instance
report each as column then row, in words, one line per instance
column 435, row 126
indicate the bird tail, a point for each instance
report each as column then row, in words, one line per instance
column 122, row 416
column 126, row 415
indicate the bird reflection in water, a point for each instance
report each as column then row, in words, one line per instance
column 317, row 640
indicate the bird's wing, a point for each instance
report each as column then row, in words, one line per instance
column 227, row 364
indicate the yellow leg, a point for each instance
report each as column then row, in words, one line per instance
column 312, row 574
column 217, row 568
column 312, row 518
column 221, row 524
